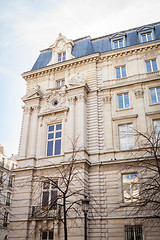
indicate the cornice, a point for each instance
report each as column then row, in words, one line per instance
column 95, row 57
column 61, row 66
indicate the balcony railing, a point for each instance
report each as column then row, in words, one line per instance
column 46, row 212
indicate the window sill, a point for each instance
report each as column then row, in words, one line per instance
column 130, row 204
column 154, row 104
column 123, row 109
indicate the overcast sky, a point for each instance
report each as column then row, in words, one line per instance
column 28, row 26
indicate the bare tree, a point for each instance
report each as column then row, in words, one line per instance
column 68, row 188
column 145, row 191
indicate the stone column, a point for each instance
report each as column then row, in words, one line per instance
column 70, row 130
column 24, row 132
column 140, row 109
column 81, row 115
column 33, row 131
column 108, row 134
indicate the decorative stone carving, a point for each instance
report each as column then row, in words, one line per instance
column 34, row 93
column 76, row 79
column 139, row 93
column 62, row 44
column 107, row 99
column 55, row 96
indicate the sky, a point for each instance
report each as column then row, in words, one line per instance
column 28, row 26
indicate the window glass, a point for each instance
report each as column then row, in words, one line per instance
column 157, row 128
column 130, row 188
column 133, row 233
column 126, row 137
column 155, row 95
column 126, row 100
column 154, row 65
column 115, row 44
column 124, row 71
column 54, row 140
column 151, row 66
column 118, row 75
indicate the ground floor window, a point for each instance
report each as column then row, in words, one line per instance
column 133, row 233
column 47, row 235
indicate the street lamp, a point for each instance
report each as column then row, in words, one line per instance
column 85, row 207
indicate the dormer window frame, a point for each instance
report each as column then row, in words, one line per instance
column 146, row 31
column 117, row 38
column 62, row 57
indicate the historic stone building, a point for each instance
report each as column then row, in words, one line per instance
column 6, row 185
column 98, row 90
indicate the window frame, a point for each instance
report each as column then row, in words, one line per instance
column 146, row 35
column 8, row 199
column 52, row 151
column 131, row 183
column 5, row 219
column 120, row 142
column 156, row 95
column 133, row 227
column 121, row 72
column 47, row 235
column 50, row 189
column 156, row 132
column 118, row 43
column 151, row 65
column 123, row 101
column 61, row 83
column 61, row 57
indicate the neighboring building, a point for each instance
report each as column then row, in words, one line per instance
column 98, row 90
column 6, row 184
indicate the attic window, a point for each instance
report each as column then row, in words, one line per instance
column 146, row 37
column 61, row 57
column 118, row 43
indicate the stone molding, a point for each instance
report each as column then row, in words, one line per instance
column 139, row 93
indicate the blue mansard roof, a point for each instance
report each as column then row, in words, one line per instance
column 86, row 45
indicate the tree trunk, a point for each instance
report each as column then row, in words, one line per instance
column 65, row 218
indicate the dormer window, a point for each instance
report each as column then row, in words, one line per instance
column 60, row 83
column 61, row 57
column 146, row 37
column 146, row 34
column 118, row 43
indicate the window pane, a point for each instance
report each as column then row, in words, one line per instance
column 126, row 100
column 58, row 84
column 51, row 128
column 50, row 135
column 158, row 94
column 154, row 65
column 58, row 126
column 59, row 57
column 57, row 147
column 144, row 39
column 64, row 56
column 44, row 235
column 118, row 73
column 50, row 235
column 120, row 101
column 45, row 199
column 115, row 44
column 63, row 82
column 58, row 134
column 121, row 43
column 123, row 71
column 149, row 36
column 157, row 128
column 148, row 65
column 54, row 199
column 153, row 95
column 50, row 148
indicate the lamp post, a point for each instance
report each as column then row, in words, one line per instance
column 85, row 207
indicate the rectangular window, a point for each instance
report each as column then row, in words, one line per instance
column 8, row 200
column 60, row 83
column 118, row 43
column 10, row 182
column 47, row 235
column 121, row 72
column 133, row 233
column 5, row 219
column 157, row 129
column 151, row 66
column 61, row 57
column 155, row 95
column 130, row 188
column 126, row 137
column 49, row 196
column 54, row 140
column 146, row 37
column 123, row 101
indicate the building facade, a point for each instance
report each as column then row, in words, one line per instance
column 6, row 188
column 99, row 91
